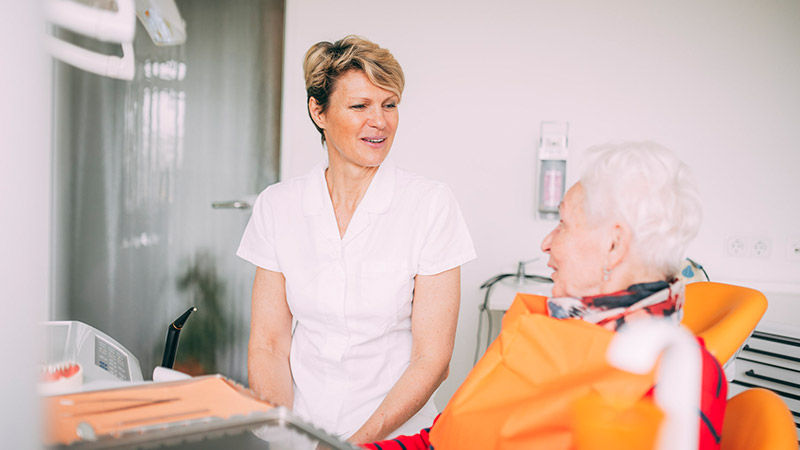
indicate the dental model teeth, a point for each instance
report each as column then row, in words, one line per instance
column 60, row 377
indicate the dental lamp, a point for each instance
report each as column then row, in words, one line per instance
column 161, row 19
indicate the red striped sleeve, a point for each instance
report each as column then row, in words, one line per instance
column 419, row 441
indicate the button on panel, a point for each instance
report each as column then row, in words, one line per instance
column 110, row 359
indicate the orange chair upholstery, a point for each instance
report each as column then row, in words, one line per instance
column 723, row 315
column 757, row 419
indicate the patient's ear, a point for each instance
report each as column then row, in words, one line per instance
column 619, row 244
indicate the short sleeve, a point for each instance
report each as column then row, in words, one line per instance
column 447, row 243
column 258, row 242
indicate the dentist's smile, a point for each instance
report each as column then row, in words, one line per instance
column 377, row 140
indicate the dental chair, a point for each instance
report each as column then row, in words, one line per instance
column 757, row 419
column 723, row 315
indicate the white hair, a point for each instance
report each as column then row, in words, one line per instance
column 652, row 191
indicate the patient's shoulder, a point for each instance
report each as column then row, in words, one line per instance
column 525, row 304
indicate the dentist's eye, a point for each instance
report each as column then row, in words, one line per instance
column 359, row 106
column 390, row 105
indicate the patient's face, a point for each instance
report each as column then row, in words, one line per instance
column 576, row 250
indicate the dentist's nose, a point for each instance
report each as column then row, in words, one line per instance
column 376, row 119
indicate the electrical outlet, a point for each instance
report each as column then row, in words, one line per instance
column 793, row 248
column 761, row 247
column 737, row 246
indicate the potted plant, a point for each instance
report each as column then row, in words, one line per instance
column 209, row 329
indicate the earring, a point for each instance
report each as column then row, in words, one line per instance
column 606, row 273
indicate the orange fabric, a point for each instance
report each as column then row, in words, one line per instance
column 758, row 419
column 600, row 425
column 525, row 304
column 114, row 410
column 522, row 393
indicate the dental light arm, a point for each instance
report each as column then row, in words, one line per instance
column 109, row 26
column 101, row 24
column 97, row 63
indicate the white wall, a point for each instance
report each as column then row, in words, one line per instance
column 25, row 219
column 716, row 81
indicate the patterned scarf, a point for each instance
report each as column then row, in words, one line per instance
column 610, row 311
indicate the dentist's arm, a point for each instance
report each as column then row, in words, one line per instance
column 433, row 328
column 268, row 369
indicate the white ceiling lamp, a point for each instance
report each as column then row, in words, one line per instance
column 161, row 19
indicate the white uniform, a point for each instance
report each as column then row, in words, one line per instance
column 351, row 296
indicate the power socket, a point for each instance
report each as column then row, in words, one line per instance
column 761, row 247
column 738, row 246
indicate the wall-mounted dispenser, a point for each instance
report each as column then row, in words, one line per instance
column 553, row 143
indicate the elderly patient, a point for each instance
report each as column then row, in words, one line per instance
column 615, row 256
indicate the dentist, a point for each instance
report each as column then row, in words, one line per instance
column 363, row 256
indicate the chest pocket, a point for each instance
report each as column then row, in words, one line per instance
column 385, row 292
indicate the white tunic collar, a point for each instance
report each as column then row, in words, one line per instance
column 316, row 199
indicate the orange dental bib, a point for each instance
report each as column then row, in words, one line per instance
column 522, row 394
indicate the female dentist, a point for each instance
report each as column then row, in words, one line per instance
column 364, row 256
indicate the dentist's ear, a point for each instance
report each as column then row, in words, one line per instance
column 315, row 110
column 620, row 244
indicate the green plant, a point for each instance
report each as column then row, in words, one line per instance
column 208, row 329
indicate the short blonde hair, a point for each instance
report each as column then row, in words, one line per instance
column 325, row 62
column 648, row 187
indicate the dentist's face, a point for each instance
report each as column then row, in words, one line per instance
column 359, row 122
